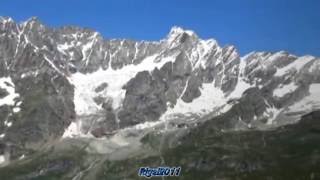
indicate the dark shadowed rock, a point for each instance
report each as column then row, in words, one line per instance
column 3, row 93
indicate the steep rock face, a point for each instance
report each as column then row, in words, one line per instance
column 39, row 103
column 286, row 82
column 72, row 82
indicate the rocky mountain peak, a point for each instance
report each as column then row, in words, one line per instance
column 33, row 19
column 176, row 31
column 5, row 19
column 178, row 35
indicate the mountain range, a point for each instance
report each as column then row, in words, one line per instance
column 69, row 88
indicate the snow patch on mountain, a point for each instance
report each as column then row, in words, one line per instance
column 85, row 84
column 308, row 103
column 282, row 90
column 315, row 66
column 242, row 85
column 7, row 123
column 297, row 65
column 53, row 65
column 2, row 159
column 64, row 47
column 74, row 130
column 16, row 109
column 210, row 99
column 7, row 84
column 272, row 113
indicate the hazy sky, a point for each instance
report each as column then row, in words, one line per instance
column 271, row 25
